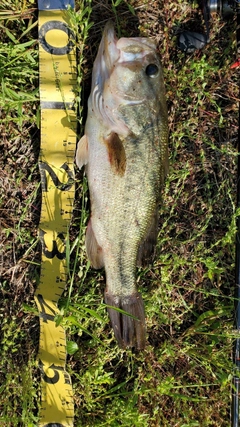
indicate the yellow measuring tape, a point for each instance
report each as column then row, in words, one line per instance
column 57, row 65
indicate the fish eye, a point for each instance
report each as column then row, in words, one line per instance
column 151, row 70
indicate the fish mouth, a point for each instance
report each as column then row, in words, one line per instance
column 107, row 55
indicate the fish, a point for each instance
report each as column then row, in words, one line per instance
column 124, row 150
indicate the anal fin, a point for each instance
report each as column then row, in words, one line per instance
column 94, row 251
column 146, row 250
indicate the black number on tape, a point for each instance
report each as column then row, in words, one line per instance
column 56, row 376
column 44, row 305
column 44, row 167
column 56, row 25
column 54, row 252
column 53, row 425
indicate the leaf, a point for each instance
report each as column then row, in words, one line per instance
column 131, row 9
column 72, row 347
column 11, row 36
column 188, row 398
column 72, row 320
column 117, row 3
column 34, row 24
column 29, row 309
column 208, row 315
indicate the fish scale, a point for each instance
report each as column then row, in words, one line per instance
column 132, row 208
column 125, row 150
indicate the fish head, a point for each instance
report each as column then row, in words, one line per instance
column 135, row 75
column 127, row 74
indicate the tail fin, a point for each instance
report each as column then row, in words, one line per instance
column 129, row 330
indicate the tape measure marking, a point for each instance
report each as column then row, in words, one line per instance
column 57, row 63
column 48, row 105
column 56, row 25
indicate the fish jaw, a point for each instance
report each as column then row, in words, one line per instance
column 107, row 56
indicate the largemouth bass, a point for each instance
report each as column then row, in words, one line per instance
column 125, row 150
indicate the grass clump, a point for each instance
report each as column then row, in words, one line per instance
column 183, row 377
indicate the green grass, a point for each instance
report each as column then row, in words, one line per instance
column 183, row 377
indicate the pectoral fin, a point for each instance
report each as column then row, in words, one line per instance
column 82, row 152
column 116, row 153
column 94, row 251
